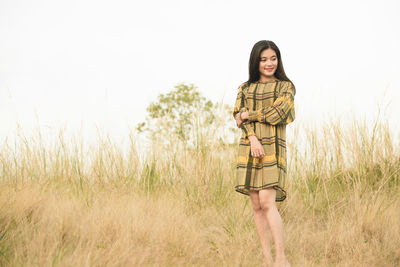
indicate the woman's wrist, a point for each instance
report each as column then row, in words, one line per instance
column 253, row 138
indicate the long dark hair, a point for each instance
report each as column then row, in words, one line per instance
column 254, row 73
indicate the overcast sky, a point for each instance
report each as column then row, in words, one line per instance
column 82, row 63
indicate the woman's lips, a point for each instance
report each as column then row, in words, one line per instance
column 270, row 69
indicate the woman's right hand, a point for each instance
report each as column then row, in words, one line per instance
column 238, row 119
column 257, row 150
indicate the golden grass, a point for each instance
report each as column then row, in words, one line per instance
column 67, row 205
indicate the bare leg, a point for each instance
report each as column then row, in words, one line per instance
column 267, row 203
column 262, row 227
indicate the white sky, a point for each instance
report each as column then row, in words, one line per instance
column 84, row 63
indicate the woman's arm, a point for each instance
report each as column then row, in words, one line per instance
column 246, row 126
column 281, row 111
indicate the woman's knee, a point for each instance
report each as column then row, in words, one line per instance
column 257, row 208
column 255, row 201
column 267, row 205
column 267, row 198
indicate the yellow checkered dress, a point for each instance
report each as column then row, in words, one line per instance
column 271, row 107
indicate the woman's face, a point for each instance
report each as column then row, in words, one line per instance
column 268, row 64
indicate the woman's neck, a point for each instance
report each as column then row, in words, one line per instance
column 267, row 79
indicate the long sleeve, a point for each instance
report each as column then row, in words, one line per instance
column 246, row 126
column 281, row 111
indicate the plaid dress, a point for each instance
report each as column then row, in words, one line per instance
column 271, row 107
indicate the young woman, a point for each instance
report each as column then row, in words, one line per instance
column 264, row 106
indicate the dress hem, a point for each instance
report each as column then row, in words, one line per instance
column 245, row 190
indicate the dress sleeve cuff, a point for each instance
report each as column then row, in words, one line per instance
column 255, row 115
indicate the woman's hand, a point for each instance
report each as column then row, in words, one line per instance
column 241, row 117
column 257, row 150
column 238, row 119
column 244, row 116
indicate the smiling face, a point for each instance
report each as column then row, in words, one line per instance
column 268, row 65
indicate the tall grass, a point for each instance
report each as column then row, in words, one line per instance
column 66, row 204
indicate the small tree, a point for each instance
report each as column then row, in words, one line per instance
column 183, row 113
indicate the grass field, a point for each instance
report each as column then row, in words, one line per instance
column 64, row 205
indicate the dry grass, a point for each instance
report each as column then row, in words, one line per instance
column 67, row 205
